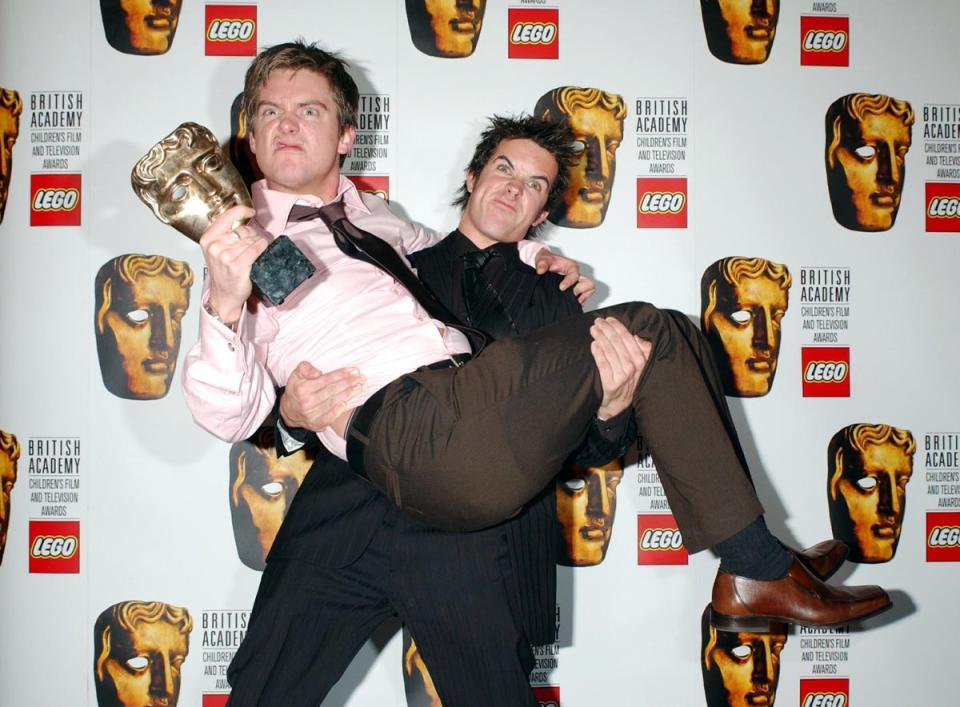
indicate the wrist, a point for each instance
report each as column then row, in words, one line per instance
column 230, row 322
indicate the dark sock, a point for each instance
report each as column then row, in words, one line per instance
column 754, row 553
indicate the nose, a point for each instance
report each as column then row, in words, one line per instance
column 598, row 165
column 888, row 501
column 761, row 9
column 598, row 505
column 762, row 674
column 514, row 186
column 288, row 123
column 205, row 186
column 161, row 677
column 888, row 169
column 163, row 330
column 763, row 335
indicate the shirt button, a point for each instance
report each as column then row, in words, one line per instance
column 231, row 347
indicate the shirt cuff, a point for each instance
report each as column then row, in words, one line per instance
column 290, row 443
column 612, row 429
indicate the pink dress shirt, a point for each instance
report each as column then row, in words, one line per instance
column 349, row 313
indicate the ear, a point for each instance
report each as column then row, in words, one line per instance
column 345, row 141
column 252, row 141
column 539, row 219
column 104, row 306
column 241, row 477
column 471, row 180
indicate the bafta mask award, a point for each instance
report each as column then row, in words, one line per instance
column 187, row 182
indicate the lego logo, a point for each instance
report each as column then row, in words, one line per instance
column 821, row 699
column 661, row 539
column 657, row 202
column 818, row 40
column 825, row 371
column 944, row 536
column 533, row 33
column 944, row 206
column 230, row 30
column 55, row 199
column 54, row 546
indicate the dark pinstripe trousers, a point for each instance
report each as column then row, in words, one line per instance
column 309, row 620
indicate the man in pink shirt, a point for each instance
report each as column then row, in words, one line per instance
column 463, row 447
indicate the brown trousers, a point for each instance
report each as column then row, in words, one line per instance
column 464, row 448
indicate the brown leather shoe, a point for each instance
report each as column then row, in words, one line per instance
column 824, row 558
column 741, row 604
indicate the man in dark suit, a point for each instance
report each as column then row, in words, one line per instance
column 345, row 558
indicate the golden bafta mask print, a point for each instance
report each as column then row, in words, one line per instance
column 586, row 507
column 869, row 466
column 239, row 147
column 742, row 303
column 867, row 140
column 445, row 28
column 596, row 119
column 417, row 683
column 187, row 181
column 9, row 454
column 740, row 31
column 262, row 487
column 11, row 106
column 138, row 651
column 140, row 26
column 740, row 669
column 140, row 302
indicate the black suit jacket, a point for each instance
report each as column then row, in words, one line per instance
column 335, row 513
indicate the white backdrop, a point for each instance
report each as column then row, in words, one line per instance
column 154, row 521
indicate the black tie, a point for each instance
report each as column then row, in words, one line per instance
column 485, row 309
column 363, row 245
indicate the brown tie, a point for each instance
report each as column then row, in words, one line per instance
column 363, row 245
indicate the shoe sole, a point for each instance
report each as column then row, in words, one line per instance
column 761, row 624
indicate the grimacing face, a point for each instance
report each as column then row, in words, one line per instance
column 140, row 26
column 262, row 487
column 445, row 28
column 187, row 181
column 144, row 666
column 9, row 131
column 744, row 331
column 867, row 172
column 587, row 196
column 747, row 665
column 871, row 497
column 418, row 685
column 8, row 477
column 586, row 506
column 138, row 331
column 740, row 31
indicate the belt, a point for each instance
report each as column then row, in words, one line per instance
column 358, row 429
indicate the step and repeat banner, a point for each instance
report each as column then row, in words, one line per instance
column 786, row 174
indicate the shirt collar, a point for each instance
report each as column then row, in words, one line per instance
column 273, row 207
column 460, row 244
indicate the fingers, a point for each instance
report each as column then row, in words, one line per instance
column 626, row 353
column 620, row 357
column 223, row 226
column 571, row 273
column 584, row 289
column 314, row 400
